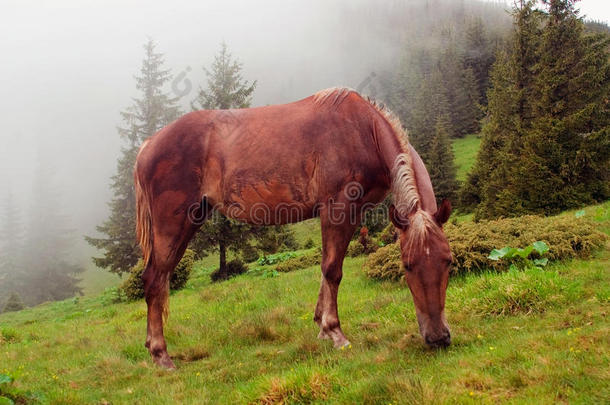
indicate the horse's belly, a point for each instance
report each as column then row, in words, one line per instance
column 269, row 202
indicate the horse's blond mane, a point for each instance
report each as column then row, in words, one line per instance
column 405, row 193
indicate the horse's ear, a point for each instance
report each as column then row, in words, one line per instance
column 400, row 223
column 443, row 212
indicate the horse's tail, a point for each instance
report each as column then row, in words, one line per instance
column 143, row 218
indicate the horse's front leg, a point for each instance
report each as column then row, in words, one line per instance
column 335, row 240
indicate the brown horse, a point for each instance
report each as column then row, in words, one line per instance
column 332, row 155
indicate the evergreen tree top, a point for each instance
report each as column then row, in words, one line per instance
column 226, row 86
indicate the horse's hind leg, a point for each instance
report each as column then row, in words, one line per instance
column 172, row 230
column 335, row 240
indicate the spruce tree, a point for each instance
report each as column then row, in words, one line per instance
column 479, row 56
column 546, row 144
column 153, row 110
column 226, row 89
column 461, row 94
column 440, row 163
column 493, row 184
column 429, row 135
column 566, row 152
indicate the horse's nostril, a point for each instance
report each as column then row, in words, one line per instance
column 443, row 341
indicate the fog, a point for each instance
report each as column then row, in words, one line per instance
column 67, row 71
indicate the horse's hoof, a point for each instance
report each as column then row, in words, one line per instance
column 345, row 344
column 164, row 361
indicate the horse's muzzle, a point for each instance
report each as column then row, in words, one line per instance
column 443, row 340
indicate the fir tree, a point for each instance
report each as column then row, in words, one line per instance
column 546, row 144
column 492, row 184
column 225, row 89
column 440, row 163
column 430, row 134
column 566, row 156
column 153, row 110
column 479, row 56
column 460, row 92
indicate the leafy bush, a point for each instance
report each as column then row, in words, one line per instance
column 10, row 394
column 275, row 259
column 133, row 287
column 388, row 235
column 309, row 244
column 385, row 264
column 566, row 236
column 300, row 262
column 249, row 254
column 234, row 268
column 363, row 245
column 183, row 270
column 471, row 243
column 113, row 295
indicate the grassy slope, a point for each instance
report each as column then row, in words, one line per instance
column 465, row 151
column 252, row 338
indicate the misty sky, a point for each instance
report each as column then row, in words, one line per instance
column 67, row 70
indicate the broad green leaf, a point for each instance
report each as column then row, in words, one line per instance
column 541, row 262
column 510, row 253
column 5, row 379
column 497, row 254
column 6, row 401
column 524, row 253
column 579, row 214
column 540, row 247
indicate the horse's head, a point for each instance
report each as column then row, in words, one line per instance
column 426, row 257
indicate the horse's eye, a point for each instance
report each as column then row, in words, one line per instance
column 407, row 267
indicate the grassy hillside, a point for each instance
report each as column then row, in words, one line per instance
column 252, row 339
column 465, row 152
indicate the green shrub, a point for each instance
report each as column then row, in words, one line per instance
column 309, row 244
column 472, row 242
column 388, row 235
column 234, row 267
column 300, row 262
column 275, row 259
column 354, row 249
column 385, row 263
column 133, row 287
column 249, row 254
column 566, row 236
column 113, row 295
column 183, row 270
column 363, row 245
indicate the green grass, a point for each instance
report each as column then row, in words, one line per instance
column 526, row 337
column 465, row 152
